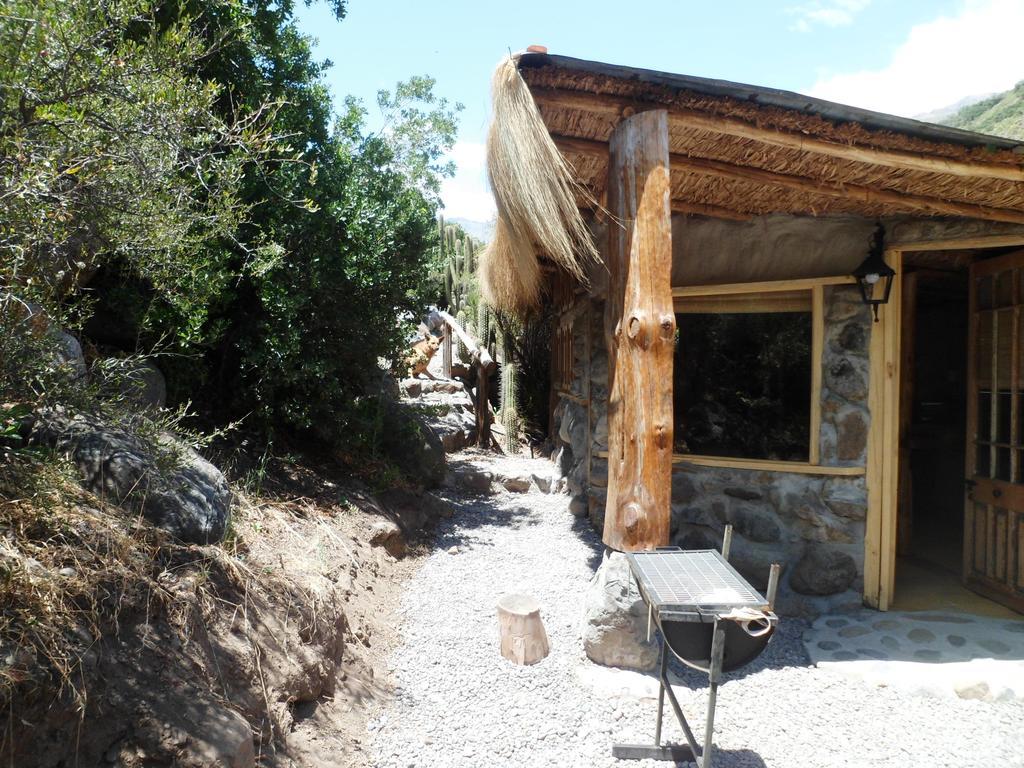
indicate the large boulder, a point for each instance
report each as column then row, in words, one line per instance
column 144, row 385
column 823, row 571
column 171, row 485
column 615, row 619
column 411, row 443
column 68, row 355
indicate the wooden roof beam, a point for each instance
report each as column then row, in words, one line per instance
column 613, row 107
column 712, row 211
column 854, row 192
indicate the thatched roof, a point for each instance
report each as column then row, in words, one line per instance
column 740, row 150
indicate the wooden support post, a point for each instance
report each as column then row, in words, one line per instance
column 446, row 350
column 483, row 408
column 641, row 326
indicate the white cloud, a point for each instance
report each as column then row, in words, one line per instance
column 828, row 13
column 467, row 195
column 975, row 51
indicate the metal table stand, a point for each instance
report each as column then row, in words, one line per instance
column 691, row 751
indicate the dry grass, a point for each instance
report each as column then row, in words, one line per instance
column 536, row 195
column 71, row 567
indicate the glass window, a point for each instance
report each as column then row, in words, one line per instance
column 743, row 384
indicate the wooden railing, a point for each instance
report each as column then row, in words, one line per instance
column 481, row 362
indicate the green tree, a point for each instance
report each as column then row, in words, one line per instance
column 342, row 232
column 111, row 151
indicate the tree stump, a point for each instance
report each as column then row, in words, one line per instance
column 523, row 639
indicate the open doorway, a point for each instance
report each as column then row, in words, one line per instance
column 936, row 390
column 937, row 419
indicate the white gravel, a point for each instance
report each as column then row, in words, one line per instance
column 459, row 703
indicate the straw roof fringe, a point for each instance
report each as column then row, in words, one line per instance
column 509, row 272
column 537, row 196
column 582, row 102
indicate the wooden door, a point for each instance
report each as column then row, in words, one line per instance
column 994, row 520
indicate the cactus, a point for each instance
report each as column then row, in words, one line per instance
column 467, row 251
column 509, row 415
column 483, row 325
column 460, row 349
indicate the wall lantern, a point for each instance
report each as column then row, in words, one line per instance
column 874, row 276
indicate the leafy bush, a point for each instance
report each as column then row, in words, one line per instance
column 182, row 161
column 110, row 150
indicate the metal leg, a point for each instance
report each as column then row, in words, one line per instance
column 679, row 753
column 714, row 675
column 690, row 738
column 689, row 752
column 661, row 695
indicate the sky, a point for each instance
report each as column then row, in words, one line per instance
column 904, row 57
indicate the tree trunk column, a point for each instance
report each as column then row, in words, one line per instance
column 640, row 323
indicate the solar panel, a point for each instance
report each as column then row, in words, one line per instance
column 691, row 579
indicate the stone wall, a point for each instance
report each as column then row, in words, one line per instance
column 812, row 524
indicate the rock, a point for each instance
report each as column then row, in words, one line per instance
column 827, row 441
column 516, row 484
column 847, row 509
column 852, row 432
column 144, row 385
column 473, row 479
column 68, row 354
column 600, row 435
column 847, row 377
column 823, row 571
column 411, row 387
column 615, row 619
column 696, row 537
column 683, row 489
column 977, row 690
column 576, row 480
column 388, row 534
column 442, row 386
column 578, row 506
column 170, row 484
column 743, row 494
column 754, row 560
column 853, row 338
column 411, row 443
column 692, row 514
column 563, row 460
column 544, row 483
column 414, row 511
column 224, row 740
column 755, row 522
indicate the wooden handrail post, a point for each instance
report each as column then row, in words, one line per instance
column 477, row 350
column 483, row 408
column 446, row 351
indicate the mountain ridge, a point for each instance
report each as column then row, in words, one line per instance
column 1001, row 114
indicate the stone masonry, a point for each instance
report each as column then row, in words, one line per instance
column 812, row 524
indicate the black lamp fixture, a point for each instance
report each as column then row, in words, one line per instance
column 872, row 271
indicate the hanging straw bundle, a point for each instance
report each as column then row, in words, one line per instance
column 509, row 272
column 536, row 196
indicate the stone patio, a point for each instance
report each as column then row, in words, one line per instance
column 929, row 653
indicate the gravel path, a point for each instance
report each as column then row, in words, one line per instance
column 459, row 703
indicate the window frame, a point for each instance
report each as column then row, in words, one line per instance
column 770, row 296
